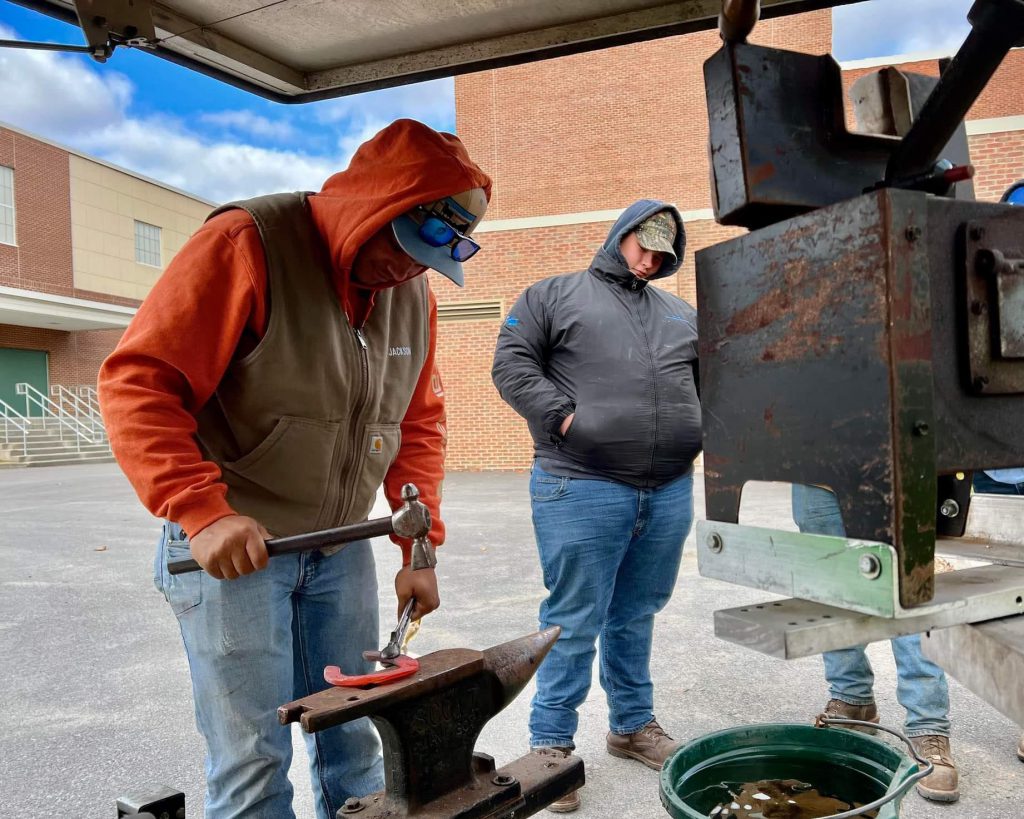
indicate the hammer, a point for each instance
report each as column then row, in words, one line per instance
column 411, row 520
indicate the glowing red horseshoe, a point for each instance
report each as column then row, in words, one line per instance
column 402, row 666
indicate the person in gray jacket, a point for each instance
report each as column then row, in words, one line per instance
column 603, row 367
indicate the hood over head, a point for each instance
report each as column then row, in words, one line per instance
column 609, row 257
column 406, row 164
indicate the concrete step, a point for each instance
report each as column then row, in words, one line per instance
column 66, row 448
column 67, row 459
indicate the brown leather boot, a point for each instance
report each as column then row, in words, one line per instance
column 1020, row 749
column 571, row 801
column 941, row 784
column 845, row 710
column 650, row 745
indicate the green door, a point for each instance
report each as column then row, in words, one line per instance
column 17, row 366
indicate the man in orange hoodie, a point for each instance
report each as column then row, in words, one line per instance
column 280, row 371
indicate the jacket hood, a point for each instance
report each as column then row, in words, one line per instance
column 404, row 165
column 609, row 258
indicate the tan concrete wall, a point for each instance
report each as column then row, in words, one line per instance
column 105, row 203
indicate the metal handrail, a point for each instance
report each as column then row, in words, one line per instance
column 65, row 420
column 87, row 392
column 82, row 409
column 11, row 417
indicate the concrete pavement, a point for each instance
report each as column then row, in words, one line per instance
column 98, row 696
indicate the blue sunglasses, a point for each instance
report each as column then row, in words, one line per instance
column 436, row 232
column 1015, row 195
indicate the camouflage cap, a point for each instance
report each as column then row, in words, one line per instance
column 658, row 233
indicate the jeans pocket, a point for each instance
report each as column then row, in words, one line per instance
column 545, row 487
column 182, row 591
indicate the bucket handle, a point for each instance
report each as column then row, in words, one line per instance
column 926, row 766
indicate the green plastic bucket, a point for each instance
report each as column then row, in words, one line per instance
column 847, row 764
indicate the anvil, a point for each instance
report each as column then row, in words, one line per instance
column 429, row 724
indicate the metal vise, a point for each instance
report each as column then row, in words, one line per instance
column 429, row 724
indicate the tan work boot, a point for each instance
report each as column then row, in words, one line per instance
column 845, row 710
column 1020, row 749
column 571, row 801
column 941, row 784
column 650, row 745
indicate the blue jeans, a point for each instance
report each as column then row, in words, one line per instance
column 985, row 485
column 921, row 685
column 263, row 640
column 610, row 556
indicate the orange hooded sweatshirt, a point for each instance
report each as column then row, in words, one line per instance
column 210, row 306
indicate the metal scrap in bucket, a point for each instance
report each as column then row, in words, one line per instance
column 780, row 799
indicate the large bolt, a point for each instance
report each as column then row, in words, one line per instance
column 921, row 429
column 715, row 543
column 913, row 233
column 352, row 805
column 870, row 566
column 950, row 508
column 504, row 780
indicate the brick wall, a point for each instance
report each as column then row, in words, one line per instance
column 998, row 161
column 42, row 204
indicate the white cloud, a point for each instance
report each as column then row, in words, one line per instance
column 52, row 94
column 220, row 171
column 249, row 122
column 882, row 28
column 432, row 102
column 88, row 108
column 71, row 102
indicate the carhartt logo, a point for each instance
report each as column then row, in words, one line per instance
column 376, row 444
column 400, row 351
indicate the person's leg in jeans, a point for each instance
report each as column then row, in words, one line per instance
column 921, row 689
column 643, row 586
column 847, row 671
column 583, row 528
column 336, row 620
column 238, row 638
column 985, row 485
column 244, row 644
column 921, row 685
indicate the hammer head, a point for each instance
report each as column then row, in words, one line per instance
column 412, row 520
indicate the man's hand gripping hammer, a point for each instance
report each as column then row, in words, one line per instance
column 411, row 520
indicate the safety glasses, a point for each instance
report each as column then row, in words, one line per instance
column 436, row 232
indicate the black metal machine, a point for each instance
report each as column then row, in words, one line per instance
column 867, row 336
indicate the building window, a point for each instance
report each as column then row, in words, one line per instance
column 147, row 244
column 6, row 205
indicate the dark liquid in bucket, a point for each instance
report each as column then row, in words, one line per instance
column 810, row 791
column 779, row 799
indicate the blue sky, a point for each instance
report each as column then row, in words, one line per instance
column 206, row 137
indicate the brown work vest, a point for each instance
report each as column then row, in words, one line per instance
column 306, row 425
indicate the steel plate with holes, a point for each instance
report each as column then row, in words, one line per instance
column 801, row 628
column 853, row 574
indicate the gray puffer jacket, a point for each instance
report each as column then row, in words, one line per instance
column 620, row 354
